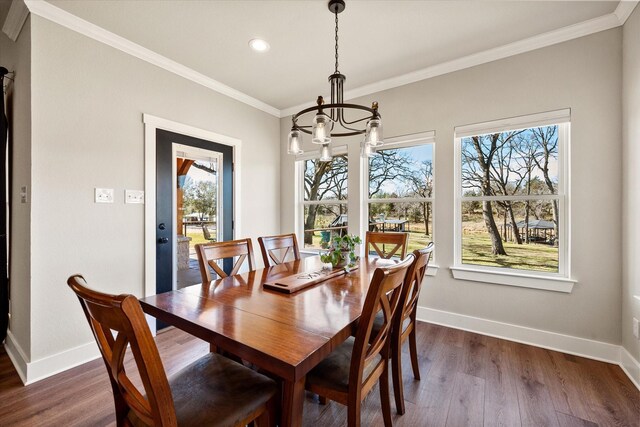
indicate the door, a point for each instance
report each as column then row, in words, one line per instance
column 175, row 155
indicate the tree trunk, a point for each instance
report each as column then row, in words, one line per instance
column 504, row 225
column 426, row 214
column 309, row 223
column 496, row 242
column 514, row 225
column 555, row 221
column 526, row 221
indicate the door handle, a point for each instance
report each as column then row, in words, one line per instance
column 163, row 240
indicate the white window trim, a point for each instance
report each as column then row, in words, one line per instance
column 403, row 141
column 561, row 281
column 300, row 203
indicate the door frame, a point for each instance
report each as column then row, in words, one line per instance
column 151, row 124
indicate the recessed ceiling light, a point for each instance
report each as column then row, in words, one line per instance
column 259, row 45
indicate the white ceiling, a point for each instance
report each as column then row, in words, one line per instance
column 378, row 39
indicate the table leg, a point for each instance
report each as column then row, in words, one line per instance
column 293, row 403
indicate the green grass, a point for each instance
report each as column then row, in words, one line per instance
column 476, row 249
column 196, row 237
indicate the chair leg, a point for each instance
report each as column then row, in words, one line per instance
column 269, row 416
column 322, row 400
column 384, row 397
column 413, row 349
column 396, row 373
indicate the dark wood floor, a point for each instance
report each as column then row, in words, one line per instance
column 467, row 380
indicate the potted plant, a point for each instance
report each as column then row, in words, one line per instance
column 342, row 251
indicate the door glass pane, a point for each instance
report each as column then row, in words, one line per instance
column 197, row 213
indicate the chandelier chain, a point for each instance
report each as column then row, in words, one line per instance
column 336, row 12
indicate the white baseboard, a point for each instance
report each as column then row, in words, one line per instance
column 630, row 366
column 583, row 347
column 17, row 356
column 37, row 370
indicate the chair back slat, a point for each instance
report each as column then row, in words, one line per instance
column 386, row 244
column 383, row 295
column 122, row 315
column 210, row 253
column 276, row 249
column 413, row 282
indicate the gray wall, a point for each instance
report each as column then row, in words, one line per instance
column 584, row 75
column 16, row 56
column 631, row 184
column 88, row 101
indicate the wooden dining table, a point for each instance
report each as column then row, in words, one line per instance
column 283, row 334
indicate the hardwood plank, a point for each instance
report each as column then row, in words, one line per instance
column 567, row 420
column 82, row 396
column 466, row 408
column 534, row 400
column 475, row 355
column 500, row 396
column 434, row 400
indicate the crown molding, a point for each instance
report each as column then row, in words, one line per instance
column 74, row 23
column 624, row 10
column 15, row 19
column 581, row 29
column 54, row 14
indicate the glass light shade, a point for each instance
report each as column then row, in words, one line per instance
column 321, row 132
column 367, row 150
column 295, row 142
column 325, row 153
column 373, row 133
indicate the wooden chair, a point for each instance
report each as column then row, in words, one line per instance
column 349, row 373
column 276, row 248
column 396, row 241
column 209, row 253
column 404, row 326
column 213, row 390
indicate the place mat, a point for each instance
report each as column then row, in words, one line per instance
column 299, row 281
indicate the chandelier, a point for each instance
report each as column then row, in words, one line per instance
column 329, row 120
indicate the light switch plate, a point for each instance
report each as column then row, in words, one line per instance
column 134, row 196
column 104, row 195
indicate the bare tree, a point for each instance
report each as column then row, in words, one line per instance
column 477, row 158
column 506, row 179
column 421, row 184
column 388, row 165
column 547, row 139
column 323, row 180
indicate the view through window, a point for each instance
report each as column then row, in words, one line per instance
column 512, row 199
column 400, row 193
column 325, row 200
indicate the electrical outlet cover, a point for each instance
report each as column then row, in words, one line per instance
column 104, row 195
column 134, row 196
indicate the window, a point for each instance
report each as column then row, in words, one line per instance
column 399, row 189
column 511, row 201
column 323, row 199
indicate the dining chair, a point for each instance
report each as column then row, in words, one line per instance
column 210, row 253
column 379, row 241
column 277, row 248
column 213, row 390
column 349, row 373
column 404, row 326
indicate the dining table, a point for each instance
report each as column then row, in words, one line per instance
column 283, row 334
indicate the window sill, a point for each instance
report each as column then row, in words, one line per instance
column 432, row 270
column 523, row 280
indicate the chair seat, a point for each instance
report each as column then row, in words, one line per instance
column 214, row 390
column 333, row 372
column 379, row 320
